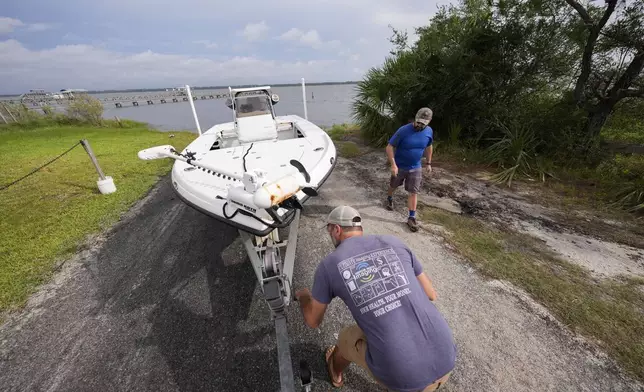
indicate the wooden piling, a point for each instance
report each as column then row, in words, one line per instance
column 3, row 119
column 6, row 108
column 89, row 151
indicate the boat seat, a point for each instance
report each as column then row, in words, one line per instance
column 254, row 129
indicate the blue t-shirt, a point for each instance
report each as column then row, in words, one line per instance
column 409, row 344
column 410, row 145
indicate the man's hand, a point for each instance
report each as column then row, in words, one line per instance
column 428, row 168
column 302, row 293
column 394, row 170
column 312, row 310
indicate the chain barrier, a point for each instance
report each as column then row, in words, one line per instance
column 35, row 170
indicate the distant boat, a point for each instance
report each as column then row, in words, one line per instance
column 177, row 90
column 68, row 93
column 40, row 95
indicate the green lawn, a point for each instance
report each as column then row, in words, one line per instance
column 46, row 216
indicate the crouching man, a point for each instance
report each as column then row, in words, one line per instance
column 400, row 338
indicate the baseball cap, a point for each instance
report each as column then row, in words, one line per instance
column 424, row 115
column 344, row 216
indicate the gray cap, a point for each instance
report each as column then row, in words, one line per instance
column 424, row 115
column 344, row 216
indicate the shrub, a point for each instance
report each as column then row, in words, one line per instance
column 515, row 151
column 86, row 108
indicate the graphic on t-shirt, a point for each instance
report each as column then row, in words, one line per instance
column 402, row 279
column 372, row 275
column 367, row 293
column 379, row 288
column 357, row 296
column 390, row 283
column 396, row 268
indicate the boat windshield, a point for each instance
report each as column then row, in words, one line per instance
column 252, row 105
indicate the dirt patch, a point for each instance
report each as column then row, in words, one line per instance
column 599, row 257
column 587, row 238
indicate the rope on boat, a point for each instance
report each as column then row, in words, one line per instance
column 35, row 170
column 244, row 157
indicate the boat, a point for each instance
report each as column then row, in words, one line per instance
column 68, row 93
column 181, row 91
column 40, row 95
column 254, row 171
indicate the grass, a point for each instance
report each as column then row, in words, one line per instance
column 347, row 139
column 46, row 216
column 633, row 133
column 609, row 311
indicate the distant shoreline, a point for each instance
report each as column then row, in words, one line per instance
column 140, row 90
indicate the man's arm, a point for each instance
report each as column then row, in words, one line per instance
column 426, row 283
column 393, row 143
column 428, row 153
column 423, row 279
column 312, row 310
column 390, row 155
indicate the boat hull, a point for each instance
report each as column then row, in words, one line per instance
column 208, row 192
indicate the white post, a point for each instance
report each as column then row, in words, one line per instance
column 194, row 111
column 232, row 101
column 306, row 116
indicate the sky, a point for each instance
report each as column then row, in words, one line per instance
column 123, row 44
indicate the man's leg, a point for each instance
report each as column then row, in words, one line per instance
column 437, row 385
column 394, row 182
column 412, row 185
column 412, row 201
column 351, row 347
column 339, row 363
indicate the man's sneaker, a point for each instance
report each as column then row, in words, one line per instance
column 390, row 204
column 411, row 222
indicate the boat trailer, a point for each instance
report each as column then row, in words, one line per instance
column 274, row 271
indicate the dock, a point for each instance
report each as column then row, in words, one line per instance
column 136, row 100
column 40, row 100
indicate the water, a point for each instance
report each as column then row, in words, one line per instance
column 326, row 105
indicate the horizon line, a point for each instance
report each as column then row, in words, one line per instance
column 198, row 87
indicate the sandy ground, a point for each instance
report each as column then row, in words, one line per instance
column 578, row 236
column 167, row 301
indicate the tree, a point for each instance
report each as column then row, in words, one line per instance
column 399, row 40
column 472, row 63
column 612, row 61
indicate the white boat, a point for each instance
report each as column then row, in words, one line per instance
column 255, row 171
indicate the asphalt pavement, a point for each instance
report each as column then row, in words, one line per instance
column 166, row 301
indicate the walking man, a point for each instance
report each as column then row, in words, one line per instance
column 410, row 142
column 399, row 338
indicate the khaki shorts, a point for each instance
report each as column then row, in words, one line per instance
column 352, row 345
column 412, row 178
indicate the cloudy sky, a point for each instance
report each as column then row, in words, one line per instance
column 119, row 44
